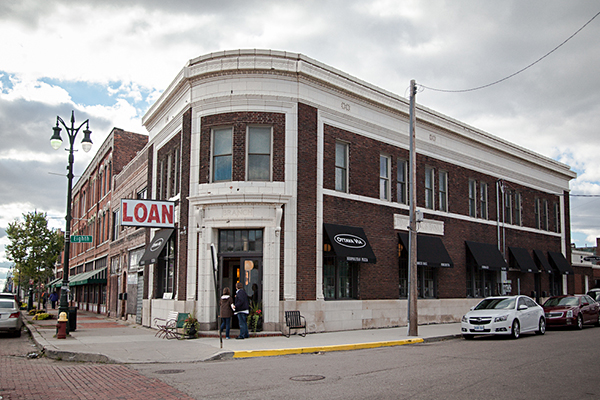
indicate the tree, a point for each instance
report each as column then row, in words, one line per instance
column 33, row 248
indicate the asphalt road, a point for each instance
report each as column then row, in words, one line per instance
column 563, row 364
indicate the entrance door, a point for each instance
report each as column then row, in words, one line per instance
column 247, row 270
column 252, row 274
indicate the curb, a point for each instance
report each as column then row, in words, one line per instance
column 317, row 349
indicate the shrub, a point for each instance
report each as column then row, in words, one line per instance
column 42, row 316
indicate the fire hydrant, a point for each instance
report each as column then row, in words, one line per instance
column 62, row 326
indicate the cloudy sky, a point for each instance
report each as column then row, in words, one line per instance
column 109, row 60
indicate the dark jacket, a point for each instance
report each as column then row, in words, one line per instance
column 241, row 301
column 226, row 310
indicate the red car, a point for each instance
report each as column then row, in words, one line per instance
column 572, row 310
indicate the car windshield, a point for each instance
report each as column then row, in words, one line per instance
column 7, row 304
column 496, row 304
column 561, row 301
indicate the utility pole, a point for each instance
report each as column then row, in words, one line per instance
column 413, row 329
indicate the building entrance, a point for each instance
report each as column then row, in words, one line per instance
column 246, row 270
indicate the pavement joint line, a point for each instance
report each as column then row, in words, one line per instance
column 315, row 349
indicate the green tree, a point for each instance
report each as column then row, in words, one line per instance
column 33, row 248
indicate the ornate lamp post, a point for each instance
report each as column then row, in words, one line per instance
column 86, row 144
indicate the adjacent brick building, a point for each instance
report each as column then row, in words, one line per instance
column 92, row 216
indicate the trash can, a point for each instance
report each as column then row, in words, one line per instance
column 72, row 319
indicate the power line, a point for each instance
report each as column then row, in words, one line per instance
column 519, row 71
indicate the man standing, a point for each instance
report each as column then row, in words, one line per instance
column 242, row 310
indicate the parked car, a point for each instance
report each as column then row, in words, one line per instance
column 10, row 317
column 504, row 315
column 572, row 310
column 8, row 295
column 594, row 294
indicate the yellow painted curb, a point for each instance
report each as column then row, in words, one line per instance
column 338, row 347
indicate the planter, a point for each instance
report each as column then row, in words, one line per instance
column 255, row 324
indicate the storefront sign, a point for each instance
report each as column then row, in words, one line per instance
column 148, row 213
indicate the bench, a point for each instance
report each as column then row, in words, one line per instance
column 170, row 327
column 293, row 320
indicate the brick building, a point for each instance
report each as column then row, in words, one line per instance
column 91, row 212
column 297, row 174
column 126, row 276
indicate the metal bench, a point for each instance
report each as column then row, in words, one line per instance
column 293, row 320
column 170, row 328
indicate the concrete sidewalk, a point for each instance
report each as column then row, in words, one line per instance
column 102, row 339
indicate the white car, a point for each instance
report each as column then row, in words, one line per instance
column 504, row 315
column 10, row 317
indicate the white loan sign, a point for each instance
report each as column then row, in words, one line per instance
column 148, row 213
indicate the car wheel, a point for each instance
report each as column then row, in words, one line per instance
column 18, row 333
column 516, row 329
column 598, row 320
column 541, row 326
column 579, row 322
column 468, row 337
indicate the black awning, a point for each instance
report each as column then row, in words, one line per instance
column 560, row 263
column 431, row 252
column 523, row 259
column 350, row 243
column 542, row 261
column 155, row 247
column 487, row 256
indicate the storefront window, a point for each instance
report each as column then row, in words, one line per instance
column 166, row 269
column 480, row 283
column 340, row 279
column 426, row 281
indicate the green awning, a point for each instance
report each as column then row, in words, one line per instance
column 55, row 283
column 95, row 277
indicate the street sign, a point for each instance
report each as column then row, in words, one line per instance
column 81, row 238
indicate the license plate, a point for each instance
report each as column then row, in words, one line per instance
column 478, row 328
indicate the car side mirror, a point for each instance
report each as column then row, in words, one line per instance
column 523, row 307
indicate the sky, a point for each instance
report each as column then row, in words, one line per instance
column 109, row 60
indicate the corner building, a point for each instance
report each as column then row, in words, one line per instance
column 297, row 174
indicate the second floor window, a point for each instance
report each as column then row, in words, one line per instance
column 472, row 198
column 402, row 181
column 483, row 199
column 518, row 209
column 443, row 191
column 508, row 207
column 536, row 212
column 222, row 154
column 341, row 167
column 429, row 188
column 544, row 222
column 556, row 217
column 259, row 153
column 384, row 177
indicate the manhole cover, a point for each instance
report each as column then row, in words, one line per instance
column 170, row 371
column 307, row 378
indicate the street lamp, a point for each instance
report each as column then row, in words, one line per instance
column 86, row 145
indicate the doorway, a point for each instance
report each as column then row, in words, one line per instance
column 247, row 270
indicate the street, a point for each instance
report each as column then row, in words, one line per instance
column 561, row 364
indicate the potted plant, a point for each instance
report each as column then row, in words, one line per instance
column 255, row 318
column 190, row 326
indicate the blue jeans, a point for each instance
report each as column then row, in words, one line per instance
column 242, row 317
column 226, row 323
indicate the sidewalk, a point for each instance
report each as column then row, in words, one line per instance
column 102, row 339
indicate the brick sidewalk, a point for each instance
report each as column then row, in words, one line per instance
column 36, row 379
